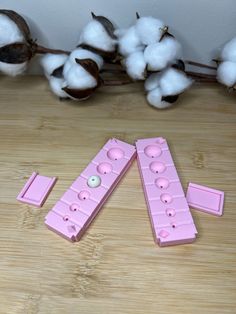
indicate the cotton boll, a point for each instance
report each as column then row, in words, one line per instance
column 50, row 62
column 149, row 30
column 86, row 54
column 160, row 54
column 9, row 31
column 13, row 69
column 136, row 66
column 174, row 82
column 56, row 86
column 229, row 51
column 95, row 35
column 226, row 73
column 154, row 98
column 77, row 77
column 130, row 42
column 152, row 81
column 120, row 32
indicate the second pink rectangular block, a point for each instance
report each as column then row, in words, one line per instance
column 169, row 213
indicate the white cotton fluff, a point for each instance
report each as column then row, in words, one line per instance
column 9, row 31
column 229, row 51
column 77, row 77
column 136, row 66
column 154, row 98
column 226, row 73
column 152, row 81
column 161, row 54
column 119, row 32
column 82, row 54
column 129, row 42
column 56, row 85
column 51, row 62
column 13, row 69
column 174, row 82
column 95, row 35
column 149, row 30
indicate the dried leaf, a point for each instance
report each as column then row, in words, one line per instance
column 78, row 93
column 179, row 65
column 170, row 99
column 20, row 22
column 90, row 66
column 58, row 73
column 165, row 33
column 15, row 53
column 137, row 16
column 107, row 24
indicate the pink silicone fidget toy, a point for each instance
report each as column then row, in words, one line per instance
column 169, row 213
column 205, row 199
column 36, row 189
column 73, row 213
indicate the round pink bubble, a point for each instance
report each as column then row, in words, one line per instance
column 152, row 151
column 162, row 183
column 170, row 212
column 74, row 207
column 166, row 198
column 115, row 153
column 84, row 195
column 157, row 167
column 104, row 168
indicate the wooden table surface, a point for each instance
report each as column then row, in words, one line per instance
column 116, row 267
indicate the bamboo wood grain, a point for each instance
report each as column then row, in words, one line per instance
column 116, row 267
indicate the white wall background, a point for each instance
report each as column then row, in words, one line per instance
column 202, row 26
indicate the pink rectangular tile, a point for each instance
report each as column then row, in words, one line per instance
column 205, row 199
column 82, row 201
column 164, row 194
column 36, row 189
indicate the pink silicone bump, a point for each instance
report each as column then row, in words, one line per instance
column 73, row 213
column 152, row 151
column 84, row 195
column 104, row 168
column 169, row 213
column 36, row 189
column 115, row 153
column 205, row 199
column 157, row 167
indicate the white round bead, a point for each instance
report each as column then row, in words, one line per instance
column 94, row 181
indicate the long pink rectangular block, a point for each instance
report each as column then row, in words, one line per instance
column 79, row 205
column 36, row 189
column 205, row 199
column 170, row 217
